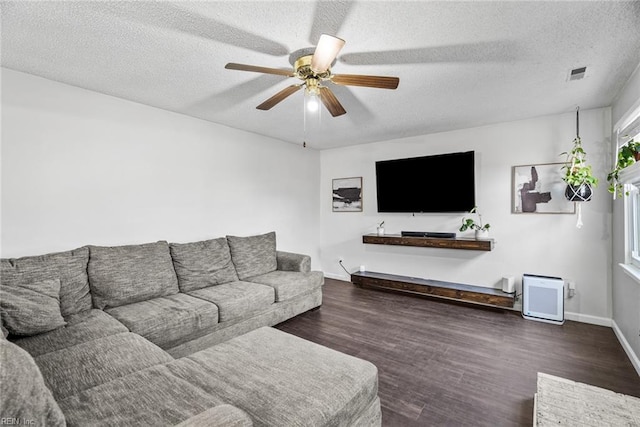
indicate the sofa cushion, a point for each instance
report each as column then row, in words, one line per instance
column 202, row 264
column 69, row 267
column 290, row 284
column 74, row 369
column 82, row 327
column 123, row 275
column 238, row 299
column 168, row 321
column 283, row 380
column 253, row 255
column 150, row 397
column 222, row 415
column 31, row 308
column 24, row 396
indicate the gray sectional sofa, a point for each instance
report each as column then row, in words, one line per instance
column 172, row 334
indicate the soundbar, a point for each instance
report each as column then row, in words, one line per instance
column 437, row 234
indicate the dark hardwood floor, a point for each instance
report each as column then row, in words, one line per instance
column 441, row 363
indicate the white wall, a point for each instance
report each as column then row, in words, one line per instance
column 626, row 291
column 627, row 97
column 525, row 243
column 79, row 167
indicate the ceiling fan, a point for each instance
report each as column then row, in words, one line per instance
column 315, row 70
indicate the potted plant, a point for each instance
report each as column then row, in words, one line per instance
column 482, row 230
column 381, row 229
column 628, row 154
column 578, row 174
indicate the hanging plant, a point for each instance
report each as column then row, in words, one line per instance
column 628, row 154
column 577, row 173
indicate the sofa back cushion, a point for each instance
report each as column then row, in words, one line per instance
column 70, row 268
column 253, row 255
column 123, row 275
column 31, row 308
column 202, row 264
column 25, row 397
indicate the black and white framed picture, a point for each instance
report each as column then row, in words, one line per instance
column 540, row 189
column 347, row 194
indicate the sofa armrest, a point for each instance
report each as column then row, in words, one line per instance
column 221, row 415
column 288, row 261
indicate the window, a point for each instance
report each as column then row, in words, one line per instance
column 628, row 130
column 632, row 213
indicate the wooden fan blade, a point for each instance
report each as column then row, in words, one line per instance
column 271, row 102
column 380, row 82
column 331, row 102
column 256, row 69
column 326, row 51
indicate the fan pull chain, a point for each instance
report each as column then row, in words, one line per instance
column 304, row 123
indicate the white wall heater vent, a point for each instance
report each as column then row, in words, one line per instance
column 543, row 298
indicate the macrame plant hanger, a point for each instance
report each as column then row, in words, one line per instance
column 583, row 192
column 579, row 207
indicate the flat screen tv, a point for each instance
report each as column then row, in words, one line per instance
column 440, row 183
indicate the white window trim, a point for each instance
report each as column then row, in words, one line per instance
column 629, row 266
column 629, row 177
column 631, row 271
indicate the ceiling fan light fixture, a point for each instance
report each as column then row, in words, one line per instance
column 312, row 95
column 326, row 51
column 312, row 102
column 314, row 71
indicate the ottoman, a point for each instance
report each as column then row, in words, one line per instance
column 282, row 380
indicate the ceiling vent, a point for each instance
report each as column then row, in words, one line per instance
column 577, row 73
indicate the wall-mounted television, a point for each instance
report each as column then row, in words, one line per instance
column 439, row 183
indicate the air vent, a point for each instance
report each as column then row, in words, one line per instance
column 577, row 73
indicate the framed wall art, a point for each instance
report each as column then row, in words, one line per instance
column 540, row 189
column 347, row 194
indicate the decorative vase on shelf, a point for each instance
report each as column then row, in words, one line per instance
column 482, row 234
column 380, row 231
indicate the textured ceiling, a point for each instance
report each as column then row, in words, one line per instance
column 460, row 64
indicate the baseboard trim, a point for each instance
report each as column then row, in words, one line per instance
column 586, row 318
column 342, row 277
column 577, row 317
column 635, row 361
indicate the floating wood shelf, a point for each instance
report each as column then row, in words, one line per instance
column 436, row 288
column 430, row 242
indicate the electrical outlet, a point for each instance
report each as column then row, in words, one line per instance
column 571, row 285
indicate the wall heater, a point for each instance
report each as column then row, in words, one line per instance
column 543, row 298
